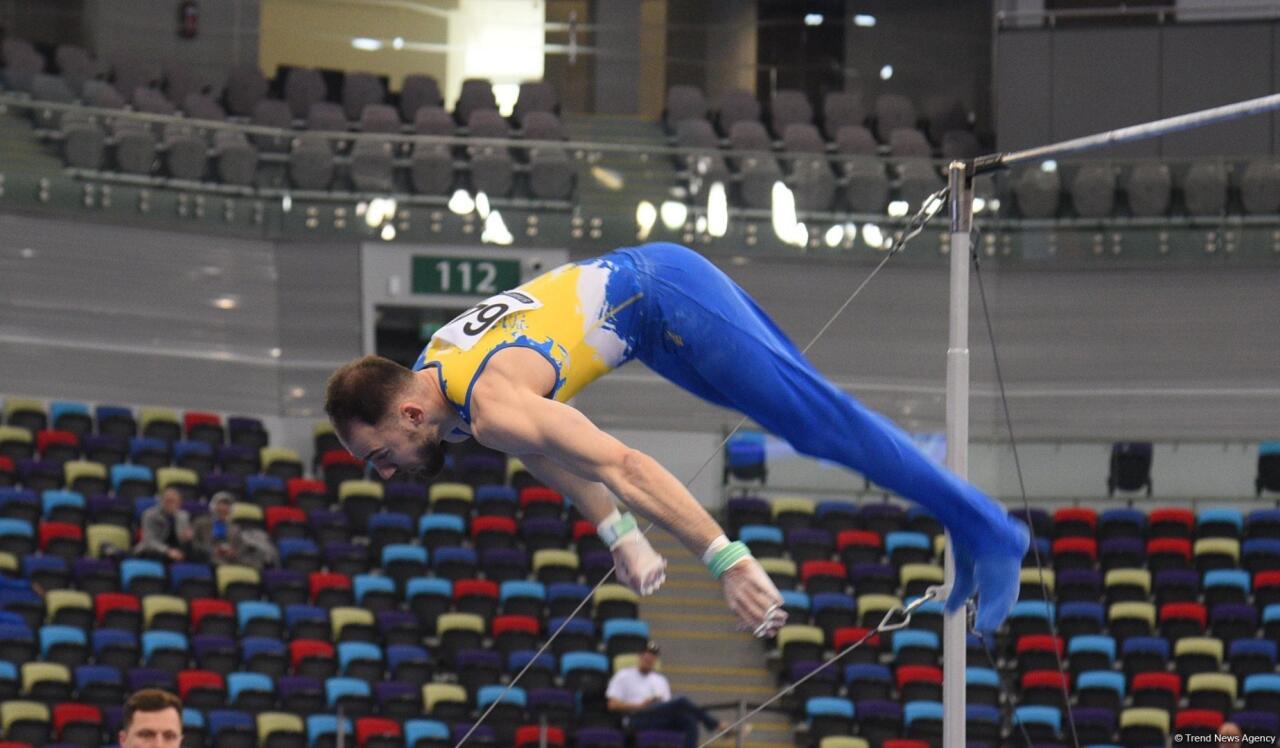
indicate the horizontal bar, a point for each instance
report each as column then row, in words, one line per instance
column 1144, row 131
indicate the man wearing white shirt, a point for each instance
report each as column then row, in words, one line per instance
column 643, row 695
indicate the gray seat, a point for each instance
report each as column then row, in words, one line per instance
column 181, row 81
column 380, row 118
column 492, row 167
column 960, row 144
column 535, row 97
column 684, row 102
column 272, row 113
column 186, row 155
column 77, row 66
column 841, row 109
column 737, row 106
column 431, row 170
column 866, row 187
column 202, row 106
column 1149, row 188
column 917, row 180
column 373, row 166
column 488, row 123
column 1037, row 192
column 856, row 140
column 433, row 120
column 21, row 63
column 311, row 163
column 544, row 126
column 893, row 111
column 757, row 171
column 129, row 73
column 551, row 171
column 789, row 107
column 909, row 142
column 246, row 86
column 151, row 101
column 1093, row 190
column 943, row 114
column 708, row 167
column 302, row 88
column 359, row 90
column 812, row 180
column 135, row 147
column 235, row 158
column 326, row 116
column 476, row 94
column 418, row 91
column 102, row 95
column 84, row 144
column 1260, row 187
column 1204, row 188
column 52, row 88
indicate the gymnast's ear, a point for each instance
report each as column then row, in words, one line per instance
column 412, row 411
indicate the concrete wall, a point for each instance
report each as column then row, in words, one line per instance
column 227, row 36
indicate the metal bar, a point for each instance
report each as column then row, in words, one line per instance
column 1143, row 131
column 954, row 628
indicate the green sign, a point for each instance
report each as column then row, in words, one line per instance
column 464, row 276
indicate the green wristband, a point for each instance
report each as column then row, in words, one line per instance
column 727, row 557
column 620, row 528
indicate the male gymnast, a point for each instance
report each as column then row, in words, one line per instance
column 502, row 371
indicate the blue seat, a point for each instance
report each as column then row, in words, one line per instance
column 571, row 661
column 521, row 588
column 904, row 638
column 567, row 591
column 489, row 694
column 866, row 671
column 252, row 646
column 53, row 635
column 340, row 687
column 182, row 572
column 390, row 521
column 323, row 725
column 796, row 600
column 128, row 472
column 238, row 683
column 760, row 533
column 429, row 586
column 625, row 627
column 1133, row 518
column 363, row 584
column 1261, row 683
column 1042, row 609
column 831, row 601
column 1153, row 645
column 1237, row 578
column 1098, row 643
column 905, row 539
column 185, row 449
column 85, row 676
column 60, row 408
column 248, row 610
column 918, row 710
column 136, row 568
column 454, row 555
column 982, row 713
column 295, row 614
column 447, row 522
column 1223, row 516
column 141, row 445
column 1082, row 610
column 398, row 654
column 828, row 706
column 496, row 493
column 1039, row 715
column 1108, row 679
column 290, row 547
column 424, row 729
column 516, row 661
column 33, row 566
column 52, row 500
column 405, row 552
column 105, row 638
column 16, row 527
column 153, row 641
column 1264, row 649
column 192, row 718
column 981, row 676
column 256, row 484
column 229, row 719
column 349, row 652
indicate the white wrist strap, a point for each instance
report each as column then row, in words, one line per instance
column 615, row 527
column 716, row 546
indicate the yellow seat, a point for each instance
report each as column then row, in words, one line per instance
column 514, row 468
column 1224, row 682
column 15, row 434
column 15, row 405
column 621, row 661
column 797, row 504
column 1218, row 546
column 1199, row 645
column 435, row 693
column 74, row 470
column 12, row 712
column 878, row 604
column 176, row 476
column 930, row 573
column 342, row 617
column 1128, row 578
column 148, row 416
column 8, row 562
column 780, row 566
column 38, row 672
column 270, row 723
column 154, row 605
column 939, row 545
column 554, row 557
column 98, row 536
column 58, row 600
column 1145, row 716
column 268, row 455
column 242, row 511
column 843, row 741
column 1133, row 609
column 450, row 492
column 229, row 574
column 799, row 633
column 360, row 489
column 615, row 592
column 460, row 622
column 1033, row 577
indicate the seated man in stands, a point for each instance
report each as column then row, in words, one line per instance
column 643, row 696
column 221, row 540
column 166, row 529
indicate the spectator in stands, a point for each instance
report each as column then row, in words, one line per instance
column 215, row 535
column 166, row 528
column 643, row 696
column 151, row 717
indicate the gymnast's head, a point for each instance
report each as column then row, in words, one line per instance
column 384, row 414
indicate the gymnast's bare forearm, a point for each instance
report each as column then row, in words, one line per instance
column 651, row 491
column 591, row 497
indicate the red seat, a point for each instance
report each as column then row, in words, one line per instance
column 301, row 649
column 904, row 743
column 6, row 465
column 1188, row 611
column 1039, row 643
column 48, row 437
column 486, row 524
column 1184, row 520
column 1173, row 546
column 288, row 514
column 50, row 531
column 1076, row 515
column 864, row 538
column 1264, row 579
column 194, row 418
column 189, row 680
column 1054, row 679
column 297, row 486
column 582, row 528
column 375, row 727
column 339, row 457
column 207, row 606
column 1207, row 718
column 811, row 569
column 1083, row 546
column 105, row 602
column 1159, row 681
column 524, row 624
column 539, row 494
column 532, row 735
column 64, row 714
column 325, row 580
column 475, row 588
column 842, row 637
column 917, row 674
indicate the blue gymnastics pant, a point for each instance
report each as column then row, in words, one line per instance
column 700, row 330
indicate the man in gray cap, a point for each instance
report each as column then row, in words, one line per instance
column 215, row 533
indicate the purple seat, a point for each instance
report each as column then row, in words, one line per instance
column 97, row 444
column 481, row 469
column 882, row 518
column 544, row 532
column 1231, row 621
column 502, row 564
column 598, row 737
column 879, row 717
column 103, row 508
column 321, row 518
column 93, row 568
column 212, row 483
column 148, row 677
column 805, row 544
column 1257, row 723
column 397, row 698
column 113, row 719
column 595, row 564
column 478, row 658
column 238, row 459
column 482, row 735
column 659, row 739
column 1086, row 584
column 800, row 669
column 1121, row 553
column 398, row 627
column 195, row 508
column 746, row 510
column 873, row 578
column 1038, row 519
column 1176, row 585
column 550, row 697
column 1095, row 724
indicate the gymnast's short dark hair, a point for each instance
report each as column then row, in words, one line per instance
column 149, row 700
column 364, row 390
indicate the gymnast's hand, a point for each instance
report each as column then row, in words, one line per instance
column 992, row 570
column 754, row 598
column 638, row 565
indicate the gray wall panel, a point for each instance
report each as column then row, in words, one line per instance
column 1211, row 65
column 1024, row 89
column 1106, row 78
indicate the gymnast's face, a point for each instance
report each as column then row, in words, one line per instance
column 402, row 443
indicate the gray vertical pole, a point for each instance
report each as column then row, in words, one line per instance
column 960, row 183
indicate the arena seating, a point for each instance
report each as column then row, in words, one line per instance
column 1168, row 622
column 378, row 606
